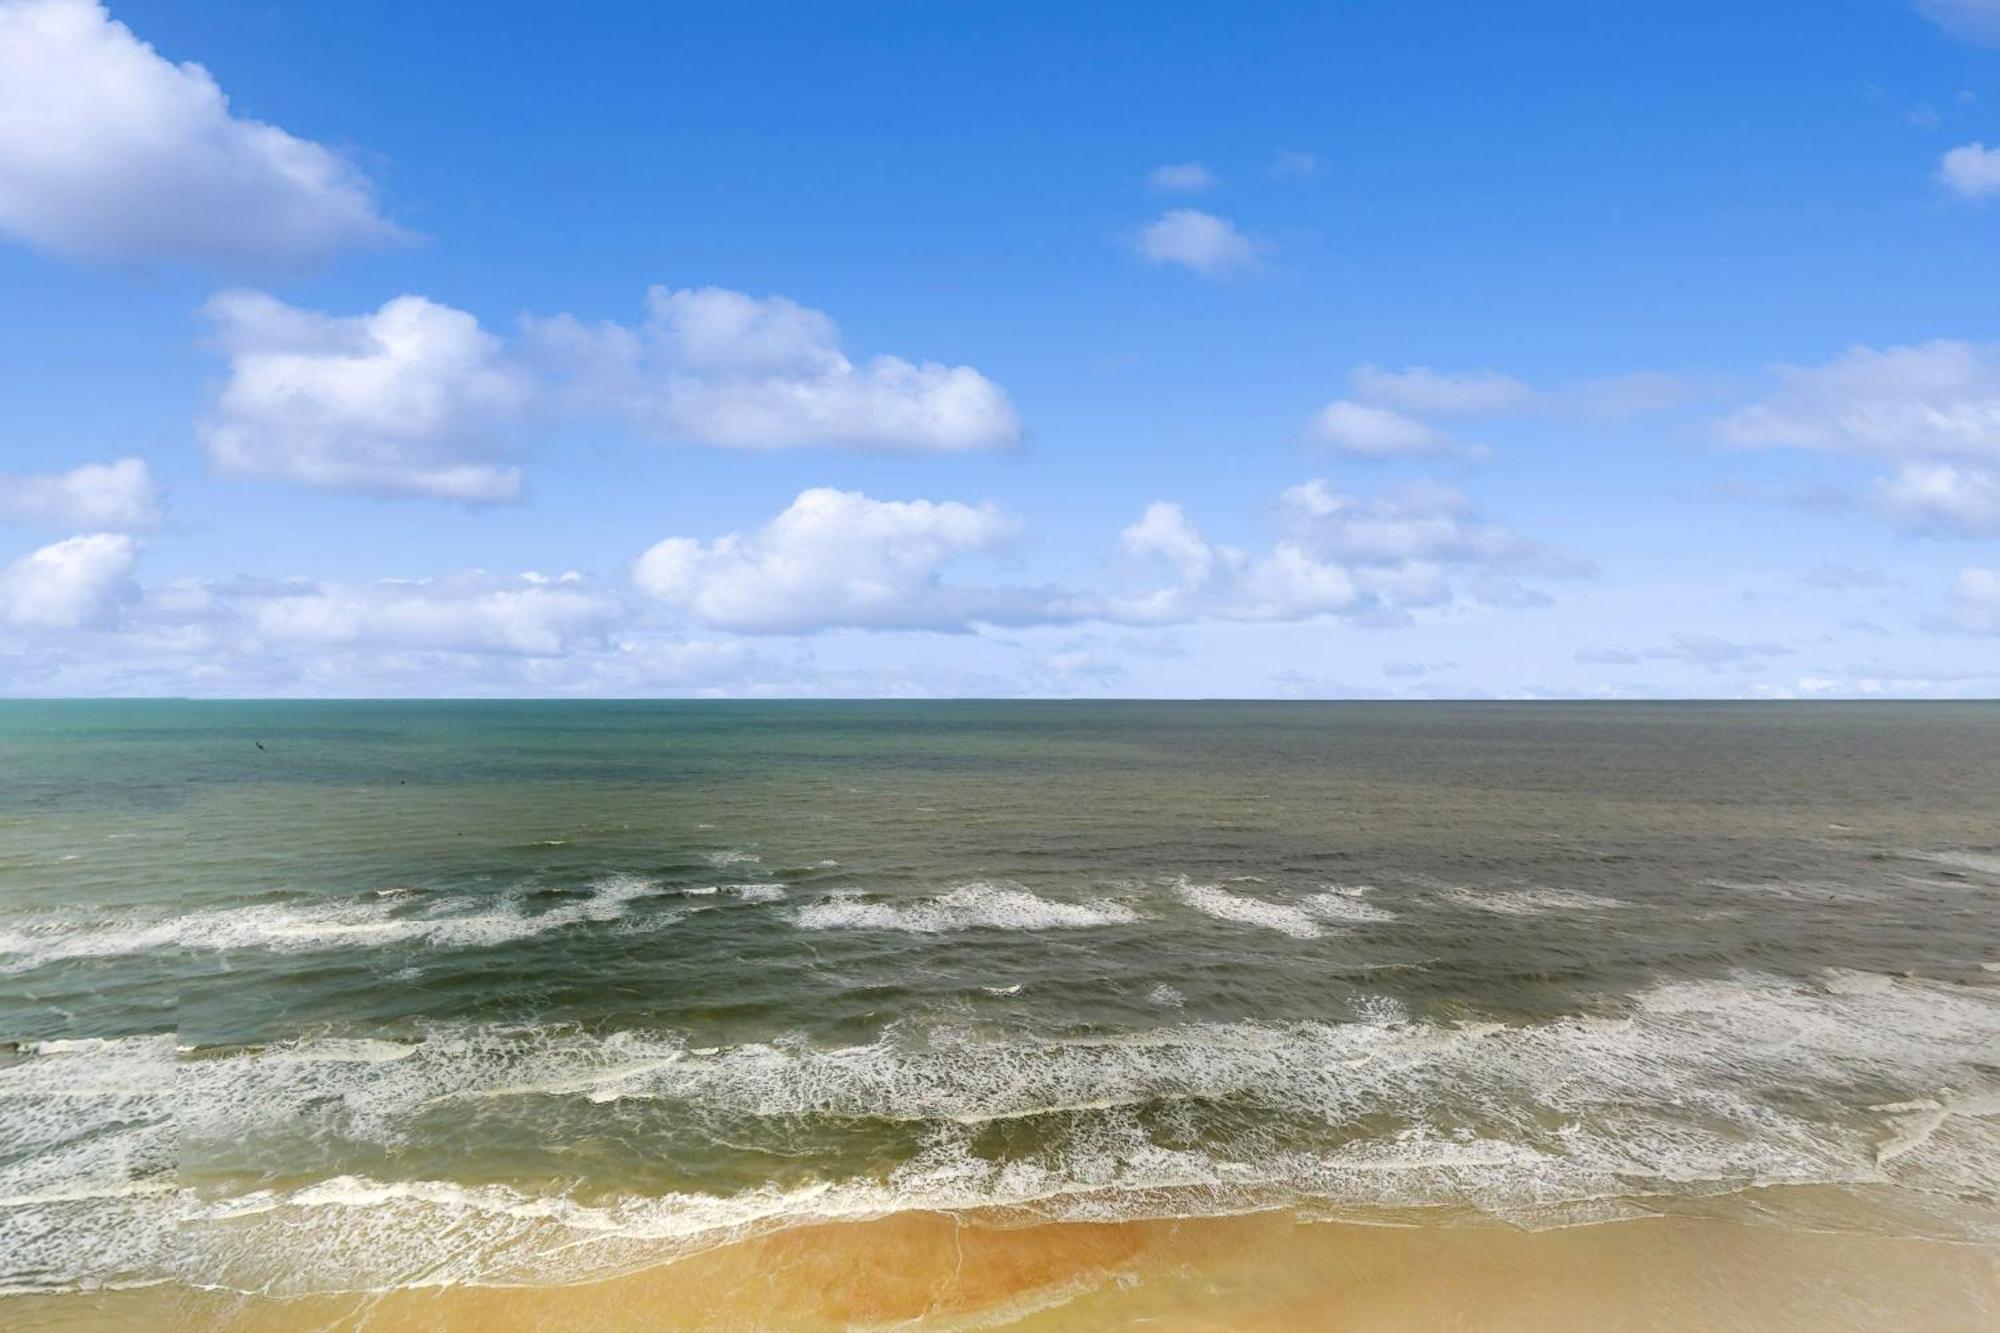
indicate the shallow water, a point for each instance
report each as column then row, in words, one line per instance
column 470, row 995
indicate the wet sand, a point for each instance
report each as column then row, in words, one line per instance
column 1267, row 1272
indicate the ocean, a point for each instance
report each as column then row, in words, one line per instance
column 1048, row 1015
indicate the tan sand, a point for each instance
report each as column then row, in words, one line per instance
column 1266, row 1272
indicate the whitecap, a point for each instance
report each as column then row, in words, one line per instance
column 305, row 925
column 1530, row 902
column 1345, row 904
column 1241, row 909
column 967, row 907
column 1979, row 862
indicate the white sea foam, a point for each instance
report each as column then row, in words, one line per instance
column 730, row 857
column 1983, row 863
column 1804, row 891
column 1711, row 1046
column 967, row 907
column 1845, row 981
column 1244, row 910
column 366, row 1050
column 759, row 893
column 1347, row 904
column 1885, row 1086
column 89, row 1144
column 1530, row 902
column 333, row 923
column 1387, row 1010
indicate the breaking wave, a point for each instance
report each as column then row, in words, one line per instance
column 967, row 907
column 1530, row 902
column 1686, row 1089
column 343, row 923
column 1241, row 909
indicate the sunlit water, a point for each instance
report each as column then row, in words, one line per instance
column 336, row 997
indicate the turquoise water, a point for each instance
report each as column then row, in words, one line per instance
column 337, row 996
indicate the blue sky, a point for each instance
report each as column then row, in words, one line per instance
column 1255, row 350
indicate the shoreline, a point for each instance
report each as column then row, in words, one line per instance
column 1270, row 1271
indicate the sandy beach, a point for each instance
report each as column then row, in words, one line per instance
column 1274, row 1273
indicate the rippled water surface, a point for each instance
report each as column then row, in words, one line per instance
column 321, row 997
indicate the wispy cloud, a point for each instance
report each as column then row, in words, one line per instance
column 98, row 496
column 1181, row 178
column 1290, row 164
column 1975, row 21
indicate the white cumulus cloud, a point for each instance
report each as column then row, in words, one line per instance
column 413, row 399
column 417, row 399
column 1424, row 521
column 72, row 621
column 1944, row 497
column 840, row 559
column 1166, row 531
column 1940, row 397
column 530, row 614
column 1209, row 245
column 1972, row 170
column 71, row 584
column 721, row 367
column 1370, row 559
column 109, row 151
column 119, row 494
column 1933, row 408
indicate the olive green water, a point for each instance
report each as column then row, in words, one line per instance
column 325, row 997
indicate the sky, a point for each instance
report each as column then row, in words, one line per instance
column 1364, row 350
